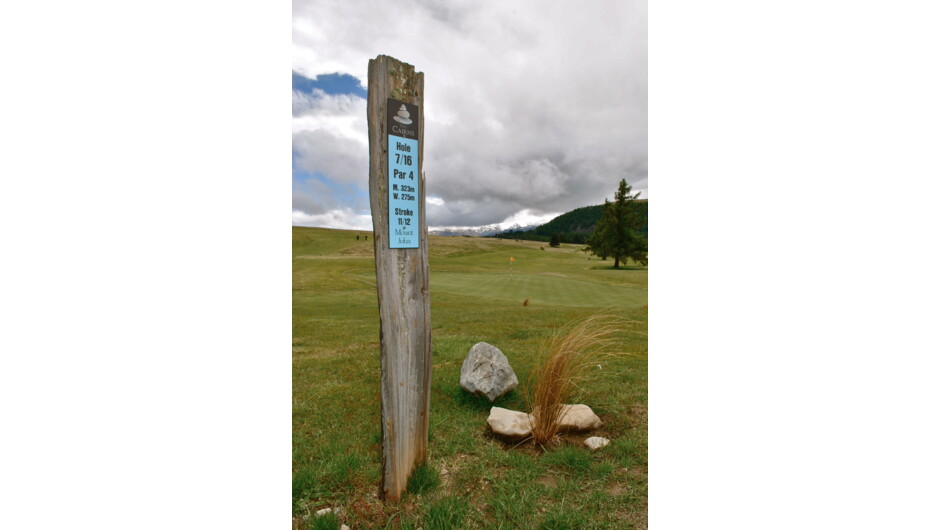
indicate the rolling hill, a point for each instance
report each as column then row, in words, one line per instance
column 575, row 226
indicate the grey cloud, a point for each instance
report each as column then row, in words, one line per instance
column 318, row 103
column 341, row 159
column 471, row 213
column 528, row 105
column 312, row 197
column 310, row 204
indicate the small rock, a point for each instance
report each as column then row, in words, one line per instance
column 343, row 527
column 596, row 442
column 578, row 418
column 486, row 372
column 324, row 511
column 510, row 424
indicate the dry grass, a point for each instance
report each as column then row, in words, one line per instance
column 555, row 378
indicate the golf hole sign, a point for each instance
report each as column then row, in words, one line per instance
column 396, row 196
column 403, row 177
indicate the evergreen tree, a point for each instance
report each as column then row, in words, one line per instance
column 616, row 234
column 556, row 242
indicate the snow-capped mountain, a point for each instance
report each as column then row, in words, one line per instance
column 486, row 230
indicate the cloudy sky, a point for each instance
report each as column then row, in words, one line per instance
column 532, row 108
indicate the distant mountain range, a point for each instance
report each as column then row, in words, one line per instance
column 479, row 231
column 575, row 226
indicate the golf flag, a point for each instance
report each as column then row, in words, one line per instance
column 512, row 259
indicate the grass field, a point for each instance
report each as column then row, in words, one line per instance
column 472, row 479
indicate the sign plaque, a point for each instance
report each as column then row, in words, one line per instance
column 403, row 177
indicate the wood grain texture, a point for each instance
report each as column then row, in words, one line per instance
column 402, row 284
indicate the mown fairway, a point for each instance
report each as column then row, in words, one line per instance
column 474, row 480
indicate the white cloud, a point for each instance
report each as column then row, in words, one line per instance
column 527, row 218
column 529, row 106
column 346, row 219
column 342, row 115
column 329, row 138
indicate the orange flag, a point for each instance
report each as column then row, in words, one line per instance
column 512, row 259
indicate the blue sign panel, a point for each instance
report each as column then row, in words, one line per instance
column 403, row 176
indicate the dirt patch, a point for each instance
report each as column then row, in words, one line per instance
column 560, row 439
column 362, row 250
column 367, row 508
column 616, row 489
column 635, row 472
column 447, row 477
column 451, row 466
column 547, row 481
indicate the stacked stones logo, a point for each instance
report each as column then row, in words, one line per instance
column 403, row 115
column 402, row 119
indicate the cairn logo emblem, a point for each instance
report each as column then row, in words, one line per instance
column 403, row 116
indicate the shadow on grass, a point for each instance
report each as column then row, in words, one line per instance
column 529, row 333
column 621, row 268
column 477, row 403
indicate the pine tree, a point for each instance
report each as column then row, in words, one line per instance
column 616, row 233
column 555, row 242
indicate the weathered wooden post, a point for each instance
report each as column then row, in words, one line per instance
column 396, row 194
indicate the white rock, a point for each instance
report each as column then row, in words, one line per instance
column 510, row 424
column 324, row 511
column 343, row 527
column 578, row 418
column 596, row 442
column 486, row 372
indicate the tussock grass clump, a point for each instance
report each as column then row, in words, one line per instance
column 342, row 472
column 569, row 457
column 324, row 522
column 564, row 519
column 304, row 483
column 446, row 513
column 424, row 478
column 560, row 368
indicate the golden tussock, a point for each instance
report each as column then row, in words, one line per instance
column 562, row 366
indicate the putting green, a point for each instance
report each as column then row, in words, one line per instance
column 538, row 288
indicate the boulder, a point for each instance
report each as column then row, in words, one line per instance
column 510, row 424
column 596, row 442
column 486, row 372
